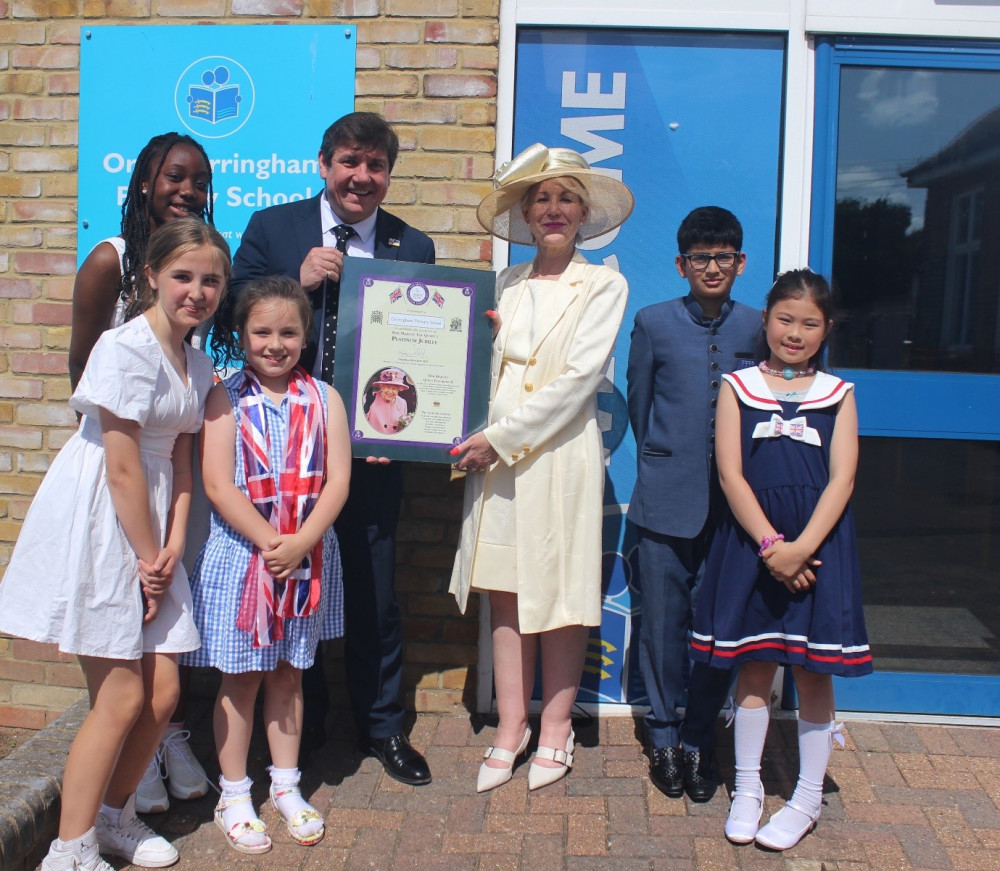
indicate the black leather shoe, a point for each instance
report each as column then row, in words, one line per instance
column 399, row 759
column 700, row 781
column 666, row 770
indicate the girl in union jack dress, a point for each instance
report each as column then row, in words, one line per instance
column 782, row 584
column 267, row 585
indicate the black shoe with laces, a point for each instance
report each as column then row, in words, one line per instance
column 700, row 781
column 666, row 770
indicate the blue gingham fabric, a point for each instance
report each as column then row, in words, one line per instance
column 216, row 583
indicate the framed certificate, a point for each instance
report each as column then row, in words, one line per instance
column 412, row 360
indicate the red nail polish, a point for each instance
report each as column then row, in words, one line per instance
column 490, row 313
column 453, row 451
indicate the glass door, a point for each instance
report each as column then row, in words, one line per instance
column 906, row 219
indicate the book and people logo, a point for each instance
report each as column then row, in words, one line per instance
column 214, row 97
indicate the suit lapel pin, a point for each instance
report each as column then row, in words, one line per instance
column 394, row 243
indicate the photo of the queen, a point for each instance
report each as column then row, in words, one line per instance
column 390, row 400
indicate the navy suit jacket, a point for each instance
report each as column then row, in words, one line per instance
column 278, row 239
column 675, row 367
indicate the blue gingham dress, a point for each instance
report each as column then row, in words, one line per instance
column 217, row 580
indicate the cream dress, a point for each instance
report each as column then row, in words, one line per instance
column 495, row 566
column 532, row 524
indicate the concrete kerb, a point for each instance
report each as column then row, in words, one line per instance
column 30, row 779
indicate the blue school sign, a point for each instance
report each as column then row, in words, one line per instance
column 219, row 85
column 685, row 120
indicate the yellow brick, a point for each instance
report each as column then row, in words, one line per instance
column 478, row 113
column 478, row 57
column 439, row 701
column 45, row 9
column 457, row 678
column 62, row 184
column 58, row 389
column 422, row 8
column 387, row 84
column 22, row 33
column 57, row 338
column 22, row 135
column 426, row 166
column 191, row 8
column 428, row 219
column 23, row 83
column 463, row 139
column 45, row 696
column 383, row 32
column 480, row 8
column 457, row 248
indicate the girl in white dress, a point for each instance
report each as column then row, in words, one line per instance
column 172, row 179
column 96, row 569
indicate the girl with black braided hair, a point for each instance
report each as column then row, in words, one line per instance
column 172, row 179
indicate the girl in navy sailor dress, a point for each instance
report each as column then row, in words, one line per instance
column 782, row 585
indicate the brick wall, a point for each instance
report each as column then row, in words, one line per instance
column 430, row 67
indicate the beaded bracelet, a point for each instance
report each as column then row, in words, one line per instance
column 769, row 540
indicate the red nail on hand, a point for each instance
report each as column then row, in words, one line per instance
column 454, row 451
column 490, row 313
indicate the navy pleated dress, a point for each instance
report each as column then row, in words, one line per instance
column 743, row 613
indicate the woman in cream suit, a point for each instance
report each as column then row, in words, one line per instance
column 531, row 528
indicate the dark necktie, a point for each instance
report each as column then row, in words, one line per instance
column 332, row 296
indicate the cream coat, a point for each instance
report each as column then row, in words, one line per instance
column 553, row 443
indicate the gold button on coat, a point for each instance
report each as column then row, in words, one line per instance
column 528, row 387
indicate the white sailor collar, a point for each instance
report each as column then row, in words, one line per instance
column 752, row 390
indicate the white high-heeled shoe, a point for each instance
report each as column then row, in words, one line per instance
column 540, row 775
column 490, row 777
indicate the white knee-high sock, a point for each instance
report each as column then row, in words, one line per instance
column 815, row 744
column 748, row 738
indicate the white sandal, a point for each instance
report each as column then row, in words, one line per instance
column 240, row 833
column 300, row 818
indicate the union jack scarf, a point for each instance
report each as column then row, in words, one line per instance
column 284, row 497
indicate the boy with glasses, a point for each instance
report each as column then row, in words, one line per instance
column 680, row 350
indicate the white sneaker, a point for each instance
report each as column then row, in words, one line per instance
column 185, row 776
column 134, row 841
column 88, row 859
column 151, row 794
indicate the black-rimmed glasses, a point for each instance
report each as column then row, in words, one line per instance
column 724, row 260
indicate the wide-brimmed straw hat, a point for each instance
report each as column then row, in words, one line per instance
column 611, row 202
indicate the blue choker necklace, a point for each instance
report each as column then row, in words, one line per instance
column 788, row 373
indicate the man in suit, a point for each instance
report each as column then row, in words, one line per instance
column 679, row 351
column 308, row 241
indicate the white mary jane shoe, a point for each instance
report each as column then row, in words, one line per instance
column 540, row 775
column 744, row 815
column 786, row 828
column 490, row 777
